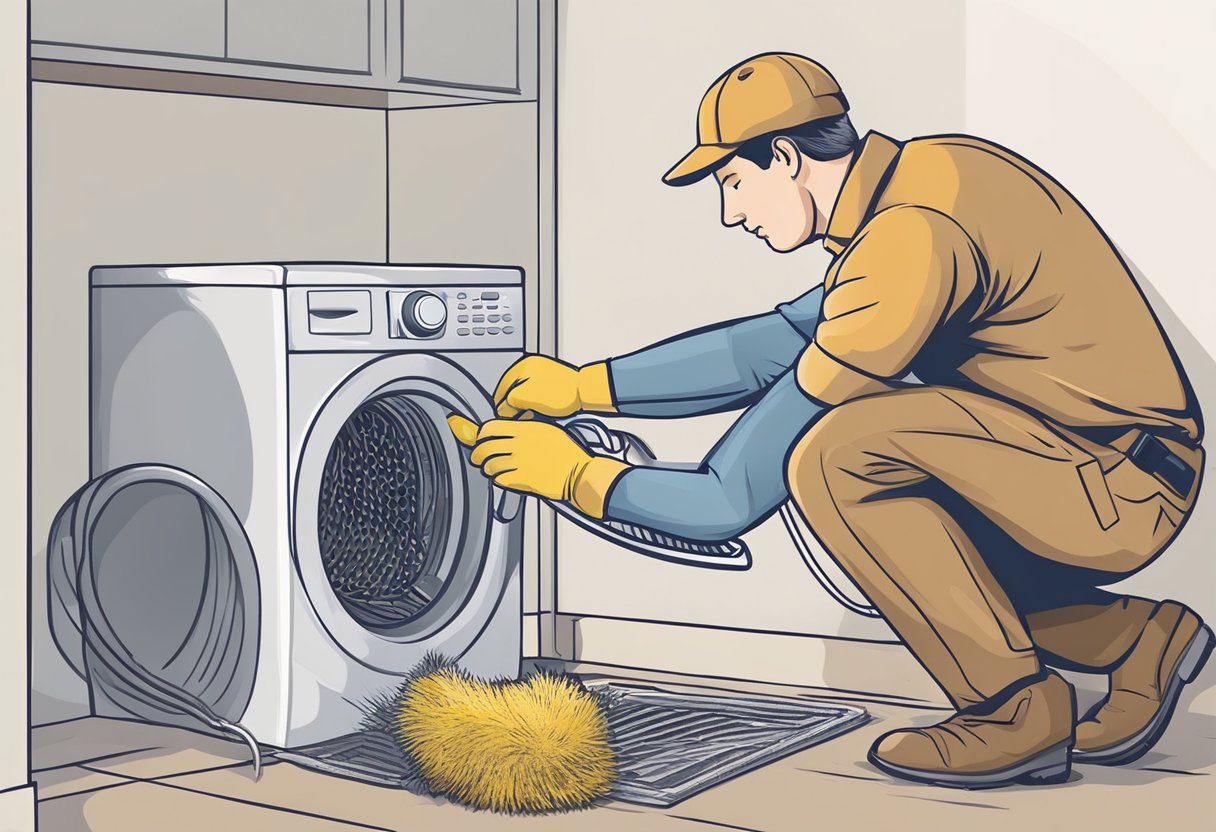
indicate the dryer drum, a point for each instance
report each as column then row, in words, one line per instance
column 385, row 511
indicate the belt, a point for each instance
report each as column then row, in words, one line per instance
column 1150, row 454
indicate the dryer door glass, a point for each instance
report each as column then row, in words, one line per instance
column 385, row 512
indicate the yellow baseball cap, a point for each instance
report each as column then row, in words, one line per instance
column 769, row 92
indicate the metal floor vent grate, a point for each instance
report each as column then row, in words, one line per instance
column 672, row 745
column 369, row 756
column 669, row 746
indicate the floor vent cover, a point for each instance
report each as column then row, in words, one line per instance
column 672, row 745
column 669, row 745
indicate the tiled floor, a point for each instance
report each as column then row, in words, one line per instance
column 108, row 775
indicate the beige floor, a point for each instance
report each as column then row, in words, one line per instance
column 109, row 775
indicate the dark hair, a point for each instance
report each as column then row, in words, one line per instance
column 822, row 139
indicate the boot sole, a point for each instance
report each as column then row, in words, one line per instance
column 1136, row 746
column 1053, row 765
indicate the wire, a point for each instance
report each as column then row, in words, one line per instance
column 793, row 527
column 599, row 438
column 211, row 657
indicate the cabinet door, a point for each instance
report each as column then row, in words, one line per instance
column 314, row 34
column 175, row 27
column 461, row 43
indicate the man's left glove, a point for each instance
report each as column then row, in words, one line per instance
column 539, row 458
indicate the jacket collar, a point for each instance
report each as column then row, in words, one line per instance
column 863, row 184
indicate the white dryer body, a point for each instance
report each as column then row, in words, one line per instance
column 312, row 399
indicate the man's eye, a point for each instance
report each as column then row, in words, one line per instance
column 736, row 185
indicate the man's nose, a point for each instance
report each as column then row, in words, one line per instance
column 731, row 217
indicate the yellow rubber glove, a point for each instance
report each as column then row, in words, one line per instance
column 539, row 458
column 553, row 388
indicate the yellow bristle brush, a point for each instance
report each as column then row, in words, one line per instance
column 532, row 745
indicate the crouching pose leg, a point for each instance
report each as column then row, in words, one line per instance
column 909, row 489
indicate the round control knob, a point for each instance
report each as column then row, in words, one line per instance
column 423, row 314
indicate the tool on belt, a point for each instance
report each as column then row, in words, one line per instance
column 1150, row 454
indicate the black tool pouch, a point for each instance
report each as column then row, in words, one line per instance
column 1150, row 454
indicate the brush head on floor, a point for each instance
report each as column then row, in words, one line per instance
column 530, row 745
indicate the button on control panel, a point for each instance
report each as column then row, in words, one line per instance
column 481, row 313
column 420, row 313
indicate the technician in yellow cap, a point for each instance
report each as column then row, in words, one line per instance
column 1051, row 445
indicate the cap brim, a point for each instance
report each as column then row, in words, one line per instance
column 698, row 163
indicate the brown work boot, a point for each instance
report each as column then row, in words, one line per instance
column 1022, row 735
column 1144, row 688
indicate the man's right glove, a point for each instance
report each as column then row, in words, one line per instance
column 553, row 388
column 539, row 458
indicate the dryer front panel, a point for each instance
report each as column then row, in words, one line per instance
column 395, row 533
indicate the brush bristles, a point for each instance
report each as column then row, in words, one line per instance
column 534, row 745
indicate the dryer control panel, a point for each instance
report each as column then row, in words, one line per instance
column 470, row 312
column 433, row 318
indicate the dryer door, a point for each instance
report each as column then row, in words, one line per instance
column 395, row 533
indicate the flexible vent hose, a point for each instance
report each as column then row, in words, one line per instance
column 794, row 527
column 210, row 654
column 619, row 444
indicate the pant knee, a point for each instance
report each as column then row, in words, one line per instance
column 806, row 456
column 826, row 449
column 850, row 450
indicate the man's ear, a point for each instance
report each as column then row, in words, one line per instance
column 785, row 153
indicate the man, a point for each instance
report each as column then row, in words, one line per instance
column 1051, row 446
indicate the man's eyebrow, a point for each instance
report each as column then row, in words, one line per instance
column 728, row 176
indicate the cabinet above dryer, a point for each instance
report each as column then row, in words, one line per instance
column 462, row 49
column 321, row 35
column 472, row 44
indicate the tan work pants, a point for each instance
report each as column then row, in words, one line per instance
column 867, row 477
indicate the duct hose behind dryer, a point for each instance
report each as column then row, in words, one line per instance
column 598, row 438
column 166, row 631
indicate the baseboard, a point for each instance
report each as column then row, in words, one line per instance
column 17, row 809
column 879, row 669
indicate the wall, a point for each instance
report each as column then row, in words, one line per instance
column 1123, row 116
column 16, row 795
column 639, row 261
column 144, row 177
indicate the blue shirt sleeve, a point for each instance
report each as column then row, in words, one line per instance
column 717, row 368
column 802, row 313
column 739, row 484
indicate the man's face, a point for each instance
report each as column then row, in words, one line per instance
column 768, row 202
